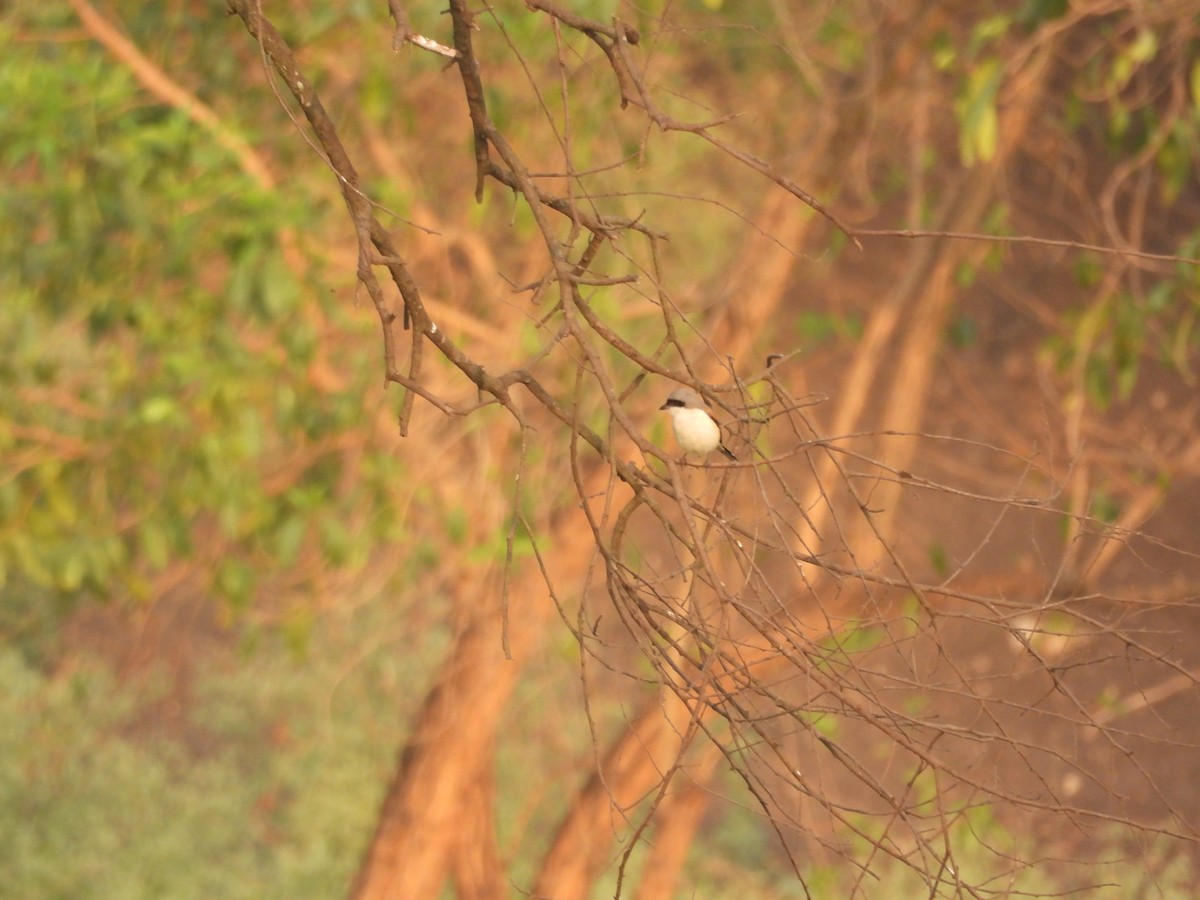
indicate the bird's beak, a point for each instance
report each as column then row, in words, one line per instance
column 665, row 406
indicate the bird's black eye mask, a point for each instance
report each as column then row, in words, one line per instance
column 672, row 403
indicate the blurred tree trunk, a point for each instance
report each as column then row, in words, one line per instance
column 634, row 765
column 439, row 795
column 676, row 825
column 439, row 804
column 899, row 350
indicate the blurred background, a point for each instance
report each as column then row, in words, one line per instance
column 228, row 584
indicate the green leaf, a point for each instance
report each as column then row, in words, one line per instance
column 1144, row 46
column 153, row 544
column 989, row 30
column 977, row 116
column 1035, row 12
column 1104, row 506
column 336, row 542
column 456, row 525
column 861, row 639
column 289, row 538
column 158, row 409
column 298, row 631
column 73, row 570
column 236, row 579
column 938, row 558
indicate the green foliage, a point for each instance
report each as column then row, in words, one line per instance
column 836, row 651
column 939, row 559
column 962, row 332
column 839, row 31
column 1104, row 506
column 1129, row 58
column 1034, row 12
column 1105, row 345
column 1109, row 341
column 154, row 346
column 977, row 849
column 976, row 111
column 817, row 328
column 266, row 787
column 742, row 836
column 825, row 724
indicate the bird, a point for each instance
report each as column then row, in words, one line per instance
column 695, row 430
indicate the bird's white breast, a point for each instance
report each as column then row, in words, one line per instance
column 695, row 430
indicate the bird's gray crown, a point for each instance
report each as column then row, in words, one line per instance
column 683, row 398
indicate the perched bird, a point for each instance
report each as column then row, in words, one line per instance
column 695, row 430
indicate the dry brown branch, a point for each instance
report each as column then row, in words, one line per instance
column 1106, row 249
column 784, row 606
